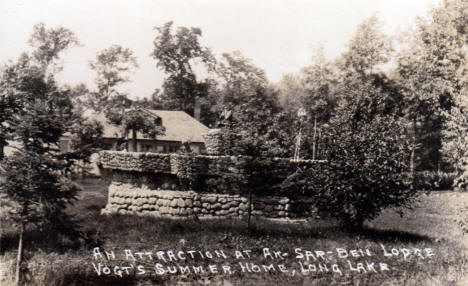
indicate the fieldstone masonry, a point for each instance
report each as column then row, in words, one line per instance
column 213, row 143
column 129, row 199
column 148, row 184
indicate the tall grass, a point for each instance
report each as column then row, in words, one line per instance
column 431, row 224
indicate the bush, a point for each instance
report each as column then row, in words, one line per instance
column 430, row 180
column 367, row 169
column 460, row 183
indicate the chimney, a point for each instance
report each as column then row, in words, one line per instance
column 197, row 110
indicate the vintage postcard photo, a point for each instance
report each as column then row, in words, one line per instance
column 206, row 142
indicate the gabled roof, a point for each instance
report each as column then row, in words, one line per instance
column 179, row 126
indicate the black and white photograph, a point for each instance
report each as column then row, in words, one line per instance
column 231, row 143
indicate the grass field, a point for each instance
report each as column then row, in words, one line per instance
column 429, row 235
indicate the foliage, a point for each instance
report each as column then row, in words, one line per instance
column 365, row 142
column 177, row 54
column 240, row 79
column 37, row 113
column 250, row 133
column 367, row 49
column 49, row 43
column 186, row 169
column 111, row 66
column 455, row 140
column 319, row 81
column 431, row 180
column 291, row 91
column 35, row 184
column 432, row 72
column 367, row 167
column 134, row 120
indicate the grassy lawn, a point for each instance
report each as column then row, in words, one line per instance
column 435, row 248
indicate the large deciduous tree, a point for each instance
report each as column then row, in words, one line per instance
column 177, row 54
column 433, row 72
column 240, row 79
column 112, row 66
column 455, row 139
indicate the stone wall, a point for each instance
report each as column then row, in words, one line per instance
column 212, row 165
column 213, row 143
column 131, row 199
column 152, row 183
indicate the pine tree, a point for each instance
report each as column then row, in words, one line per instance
column 39, row 112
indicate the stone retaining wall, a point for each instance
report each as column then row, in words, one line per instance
column 161, row 185
column 130, row 199
column 212, row 165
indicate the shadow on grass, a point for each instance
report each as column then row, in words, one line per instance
column 121, row 229
column 149, row 226
column 379, row 235
column 49, row 241
column 79, row 279
column 323, row 229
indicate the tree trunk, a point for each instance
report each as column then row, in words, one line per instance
column 412, row 155
column 249, row 212
column 315, row 133
column 2, row 154
column 19, row 258
column 353, row 225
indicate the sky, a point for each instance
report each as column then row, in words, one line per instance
column 279, row 36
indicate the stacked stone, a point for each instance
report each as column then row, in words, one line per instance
column 129, row 199
column 135, row 161
column 147, row 183
column 213, row 142
column 172, row 163
column 272, row 207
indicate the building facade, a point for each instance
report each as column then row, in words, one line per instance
column 179, row 128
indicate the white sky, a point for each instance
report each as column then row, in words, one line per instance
column 278, row 35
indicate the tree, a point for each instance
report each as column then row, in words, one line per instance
column 240, row 79
column 367, row 49
column 177, row 54
column 320, row 83
column 251, row 133
column 39, row 113
column 432, row 71
column 368, row 161
column 291, row 93
column 366, row 142
column 49, row 43
column 366, row 169
column 134, row 120
column 112, row 66
column 455, row 140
